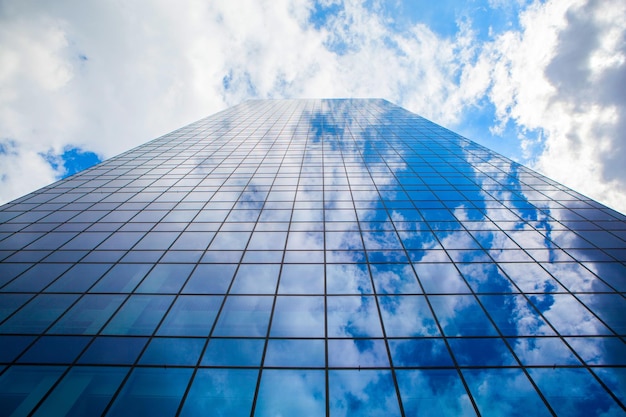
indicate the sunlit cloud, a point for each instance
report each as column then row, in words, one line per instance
column 103, row 78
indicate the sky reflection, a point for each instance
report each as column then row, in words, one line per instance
column 326, row 264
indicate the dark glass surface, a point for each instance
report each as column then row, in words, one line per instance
column 311, row 257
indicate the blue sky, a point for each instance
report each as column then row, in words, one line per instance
column 541, row 82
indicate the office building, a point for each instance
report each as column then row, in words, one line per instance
column 311, row 257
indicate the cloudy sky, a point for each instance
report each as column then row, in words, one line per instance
column 542, row 82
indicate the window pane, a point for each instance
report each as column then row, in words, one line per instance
column 461, row 315
column 419, row 352
column 79, row 278
column 290, row 353
column 352, row 317
column 22, row 387
column 191, row 315
column 169, row 351
column 433, row 393
column 122, row 278
column 357, row 353
column 233, row 352
column 151, row 391
column 244, row 315
column 165, row 279
column 407, row 316
column 55, row 350
column 302, row 279
column 210, row 279
column 89, row 314
column 224, row 392
column 83, row 391
column 395, row 279
column 113, row 350
column 298, row 316
column 291, row 393
column 362, row 393
column 139, row 315
column 348, row 279
column 256, row 279
column 38, row 314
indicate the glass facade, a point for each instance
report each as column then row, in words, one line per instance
column 311, row 257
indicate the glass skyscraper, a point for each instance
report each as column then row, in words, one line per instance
column 311, row 257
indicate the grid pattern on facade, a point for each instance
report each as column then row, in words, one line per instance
column 320, row 257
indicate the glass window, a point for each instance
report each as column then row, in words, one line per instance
column 256, row 279
column 151, row 391
column 354, row 316
column 298, row 316
column 362, row 393
column 433, row 392
column 12, row 346
column 193, row 241
column 267, row 241
column 157, row 241
column 79, row 278
column 419, row 352
column 122, row 278
column 233, row 352
column 121, row 241
column 513, row 315
column 37, row 278
column 461, row 315
column 22, row 387
column 55, row 350
column 88, row 315
column 139, row 315
column 8, row 271
column 86, row 241
column 530, row 277
column 599, row 350
column 51, row 241
column 440, row 278
column 357, row 353
column 244, row 315
column 506, row 392
column 305, row 240
column 568, row 315
column 168, row 351
column 547, row 351
column 609, row 307
column 210, row 279
column 38, row 314
column 9, row 303
column 83, row 391
column 109, row 350
column 348, row 279
column 191, row 315
column 293, row 353
column 302, row 279
column 485, row 277
column 394, row 279
column 562, row 387
column 227, row 392
column 481, row 352
column 405, row 316
column 291, row 393
column 230, row 241
column 165, row 279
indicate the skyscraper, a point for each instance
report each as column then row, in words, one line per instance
column 311, row 257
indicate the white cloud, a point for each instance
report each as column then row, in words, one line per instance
column 564, row 75
column 109, row 76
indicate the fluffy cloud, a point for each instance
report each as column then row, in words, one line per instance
column 108, row 76
column 563, row 76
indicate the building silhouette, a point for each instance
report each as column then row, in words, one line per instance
column 311, row 257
